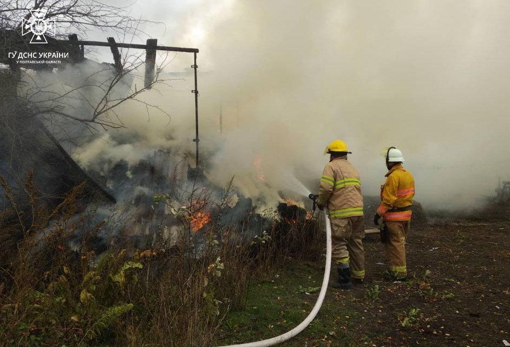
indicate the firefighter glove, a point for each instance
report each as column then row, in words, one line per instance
column 320, row 207
column 376, row 219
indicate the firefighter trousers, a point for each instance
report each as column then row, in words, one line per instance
column 395, row 247
column 347, row 244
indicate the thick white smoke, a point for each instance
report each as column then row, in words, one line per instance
column 287, row 77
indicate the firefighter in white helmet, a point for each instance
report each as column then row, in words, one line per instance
column 395, row 210
column 340, row 192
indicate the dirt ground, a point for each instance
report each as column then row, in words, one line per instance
column 458, row 293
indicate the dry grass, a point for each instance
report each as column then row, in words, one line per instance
column 56, row 285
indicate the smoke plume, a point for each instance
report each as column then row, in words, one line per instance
column 279, row 80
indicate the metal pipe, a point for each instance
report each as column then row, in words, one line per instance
column 197, row 140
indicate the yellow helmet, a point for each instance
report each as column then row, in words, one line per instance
column 337, row 146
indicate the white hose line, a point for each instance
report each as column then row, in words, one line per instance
column 290, row 334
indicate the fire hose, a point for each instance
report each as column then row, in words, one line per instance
column 290, row 334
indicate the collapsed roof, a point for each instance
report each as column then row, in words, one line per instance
column 26, row 145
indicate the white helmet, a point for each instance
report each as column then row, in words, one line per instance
column 394, row 155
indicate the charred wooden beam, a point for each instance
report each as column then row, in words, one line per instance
column 130, row 45
column 150, row 62
column 116, row 55
column 76, row 53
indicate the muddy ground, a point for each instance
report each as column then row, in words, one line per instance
column 458, row 294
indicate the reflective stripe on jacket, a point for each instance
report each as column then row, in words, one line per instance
column 340, row 189
column 397, row 195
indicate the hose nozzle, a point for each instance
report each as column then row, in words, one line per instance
column 314, row 199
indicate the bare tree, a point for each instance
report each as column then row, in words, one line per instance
column 79, row 15
column 91, row 99
column 73, row 100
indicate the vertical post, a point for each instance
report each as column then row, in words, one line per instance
column 150, row 62
column 196, row 140
column 76, row 52
column 116, row 55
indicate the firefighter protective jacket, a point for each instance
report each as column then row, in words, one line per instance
column 340, row 189
column 397, row 195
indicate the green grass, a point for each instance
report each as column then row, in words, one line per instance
column 278, row 303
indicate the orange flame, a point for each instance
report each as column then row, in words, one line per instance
column 199, row 220
column 199, row 217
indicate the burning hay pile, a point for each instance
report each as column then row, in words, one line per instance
column 126, row 251
column 161, row 205
column 166, row 262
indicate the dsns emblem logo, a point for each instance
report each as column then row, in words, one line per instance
column 37, row 24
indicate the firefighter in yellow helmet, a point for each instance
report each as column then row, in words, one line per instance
column 340, row 192
column 395, row 210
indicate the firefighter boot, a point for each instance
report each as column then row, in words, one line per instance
column 344, row 278
column 393, row 276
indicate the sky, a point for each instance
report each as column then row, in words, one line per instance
column 288, row 77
